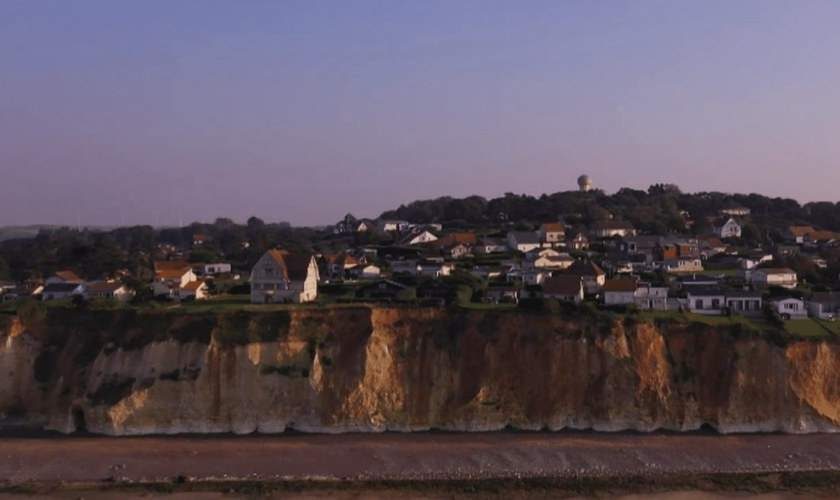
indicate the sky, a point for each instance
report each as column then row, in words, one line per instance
column 303, row 111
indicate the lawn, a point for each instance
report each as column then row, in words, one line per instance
column 812, row 328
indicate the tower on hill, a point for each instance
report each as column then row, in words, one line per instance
column 585, row 183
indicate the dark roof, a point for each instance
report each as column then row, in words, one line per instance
column 742, row 294
column 68, row 276
column 619, row 286
column 526, row 237
column 295, row 267
column 61, row 287
column 562, row 285
column 703, row 291
column 695, row 278
column 585, row 268
column 825, row 297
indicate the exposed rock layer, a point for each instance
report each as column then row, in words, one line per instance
column 376, row 369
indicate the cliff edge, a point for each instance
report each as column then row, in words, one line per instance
column 374, row 369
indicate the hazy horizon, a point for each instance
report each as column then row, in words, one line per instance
column 303, row 111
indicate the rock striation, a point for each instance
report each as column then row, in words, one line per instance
column 362, row 369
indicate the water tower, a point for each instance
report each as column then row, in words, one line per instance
column 585, row 183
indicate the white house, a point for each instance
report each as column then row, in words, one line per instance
column 214, row 269
column 552, row 233
column 197, row 289
column 592, row 275
column 681, row 265
column 522, row 241
column 170, row 281
column 60, row 291
column 744, row 302
column 768, row 276
column 709, row 301
column 280, row 276
column 726, row 227
column 434, row 269
column 791, row 308
column 609, row 229
column 490, row 245
column 391, row 225
column 651, row 297
column 109, row 290
column 619, row 292
column 554, row 262
column 824, row 305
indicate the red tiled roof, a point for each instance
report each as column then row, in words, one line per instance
column 105, row 287
column 562, row 285
column 585, row 268
column 553, row 227
column 619, row 286
column 295, row 267
column 193, row 285
column 171, row 273
column 161, row 265
column 799, row 231
column 68, row 276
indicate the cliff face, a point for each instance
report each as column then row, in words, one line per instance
column 362, row 369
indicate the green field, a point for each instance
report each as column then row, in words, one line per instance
column 813, row 328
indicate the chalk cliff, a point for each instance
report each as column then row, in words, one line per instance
column 376, row 369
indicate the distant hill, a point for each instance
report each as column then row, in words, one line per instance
column 15, row 232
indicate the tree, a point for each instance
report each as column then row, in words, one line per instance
column 5, row 270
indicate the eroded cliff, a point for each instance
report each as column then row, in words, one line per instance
column 375, row 369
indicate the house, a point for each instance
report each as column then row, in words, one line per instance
column 824, row 305
column 386, row 290
column 280, row 276
column 365, row 226
column 490, row 245
column 552, row 233
column 577, row 242
column 335, row 266
column 736, row 211
column 726, row 227
column 427, row 267
column 565, row 287
column 59, row 291
column 170, row 281
column 706, row 300
column 619, row 292
column 533, row 276
column 199, row 239
column 796, row 234
column 609, row 229
column 468, row 239
column 162, row 265
column 434, row 289
column 23, row 291
column 417, row 239
column 592, row 275
column 6, row 286
column 770, row 276
column 364, row 272
column 522, row 241
column 710, row 247
column 790, row 308
column 195, row 289
column 554, row 262
column 536, row 253
column 64, row 277
column 109, row 290
column 651, row 297
column 456, row 251
column 383, row 225
column 681, row 265
column 744, row 302
column 640, row 248
column 215, row 269
column 502, row 293
column 818, row 239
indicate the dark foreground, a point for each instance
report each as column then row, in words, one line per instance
column 422, row 465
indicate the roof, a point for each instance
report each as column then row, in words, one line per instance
column 105, row 286
column 800, row 231
column 822, row 235
column 695, row 278
column 742, row 294
column 619, row 286
column 706, row 291
column 585, row 268
column 715, row 242
column 612, row 224
column 61, row 287
column 553, row 227
column 722, row 221
column 160, row 265
column 825, row 297
column 69, row 276
column 775, row 270
column 199, row 237
column 295, row 267
column 525, row 237
column 562, row 285
column 171, row 273
column 193, row 285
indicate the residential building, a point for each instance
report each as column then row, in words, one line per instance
column 64, row 277
column 577, row 242
column 385, row 290
column 169, row 282
column 162, row 265
column 651, row 297
column 554, row 262
column 364, row 272
column 391, row 225
column 60, row 291
column 434, row 289
column 818, row 239
column 490, row 245
column 726, row 227
column 790, row 308
column 335, row 266
column 710, row 247
column 736, row 211
column 522, row 241
column 744, row 302
column 619, row 292
column 195, row 289
column 770, row 276
column 214, row 269
column 552, row 233
column 280, row 276
column 502, row 294
column 456, row 251
column 432, row 268
column 610, row 229
column 796, row 234
column 109, row 290
column 824, row 305
column 199, row 239
column 565, row 287
column 592, row 275
column 706, row 300
column 417, row 238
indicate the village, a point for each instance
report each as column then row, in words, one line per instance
column 607, row 263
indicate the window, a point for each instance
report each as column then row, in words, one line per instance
column 715, row 303
column 698, row 304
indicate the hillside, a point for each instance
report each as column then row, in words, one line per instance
column 376, row 369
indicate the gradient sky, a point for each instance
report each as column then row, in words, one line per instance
column 305, row 110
